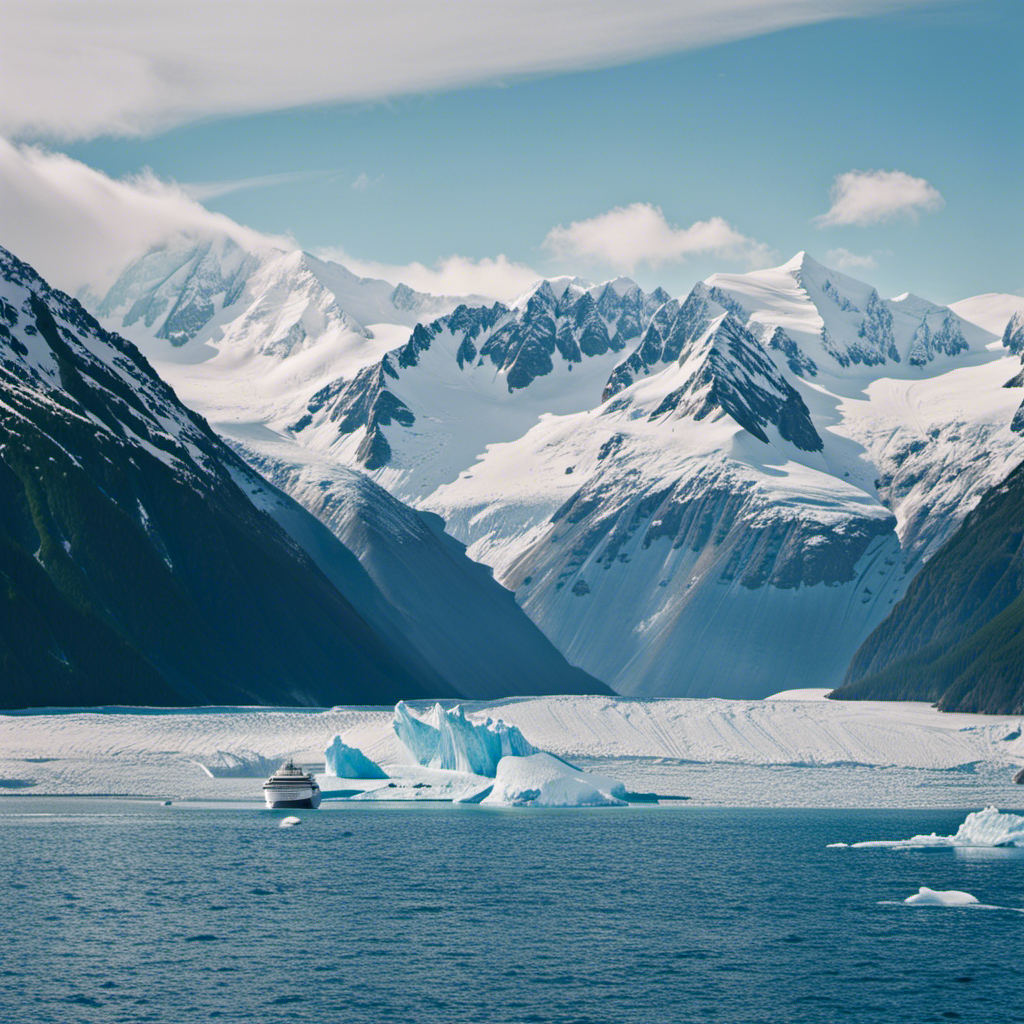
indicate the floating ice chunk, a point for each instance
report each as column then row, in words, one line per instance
column 990, row 827
column 290, row 822
column 543, row 780
column 926, row 897
column 455, row 743
column 347, row 762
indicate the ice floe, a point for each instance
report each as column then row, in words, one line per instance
column 926, row 897
column 542, row 780
column 987, row 828
column 450, row 740
column 347, row 762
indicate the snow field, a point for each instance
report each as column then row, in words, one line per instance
column 744, row 753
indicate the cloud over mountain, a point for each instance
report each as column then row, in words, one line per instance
column 639, row 234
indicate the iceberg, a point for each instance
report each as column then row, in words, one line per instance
column 989, row 828
column 926, row 897
column 346, row 762
column 543, row 780
column 451, row 741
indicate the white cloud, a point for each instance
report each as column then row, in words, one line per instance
column 843, row 259
column 78, row 227
column 863, row 198
column 627, row 237
column 80, row 68
column 498, row 278
column 362, row 182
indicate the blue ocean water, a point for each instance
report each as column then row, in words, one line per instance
column 120, row 911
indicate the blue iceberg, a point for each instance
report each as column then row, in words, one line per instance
column 448, row 739
column 349, row 763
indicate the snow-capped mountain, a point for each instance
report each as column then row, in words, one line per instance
column 146, row 562
column 770, row 466
column 483, row 374
column 719, row 494
column 211, row 289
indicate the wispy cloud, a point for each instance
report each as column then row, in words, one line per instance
column 362, row 182
column 863, row 198
column 201, row 191
column 843, row 259
column 81, row 68
column 627, row 237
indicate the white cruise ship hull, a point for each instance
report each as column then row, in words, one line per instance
column 292, row 796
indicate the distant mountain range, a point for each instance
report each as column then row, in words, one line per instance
column 719, row 494
column 143, row 561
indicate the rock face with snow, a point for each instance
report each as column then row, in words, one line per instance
column 754, row 492
column 139, row 564
column 345, row 762
column 542, row 780
column 447, row 739
column 212, row 291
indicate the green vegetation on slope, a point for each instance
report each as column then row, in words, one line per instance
column 957, row 637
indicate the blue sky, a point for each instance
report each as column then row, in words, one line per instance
column 753, row 132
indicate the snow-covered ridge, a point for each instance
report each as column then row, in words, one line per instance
column 832, row 323
column 479, row 375
column 749, row 501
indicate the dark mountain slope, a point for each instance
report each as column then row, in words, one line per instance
column 133, row 568
column 450, row 607
column 957, row 637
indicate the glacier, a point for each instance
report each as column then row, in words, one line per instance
column 345, row 762
column 449, row 740
column 543, row 780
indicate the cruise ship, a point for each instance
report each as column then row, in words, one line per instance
column 291, row 787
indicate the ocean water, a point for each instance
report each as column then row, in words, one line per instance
column 129, row 911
